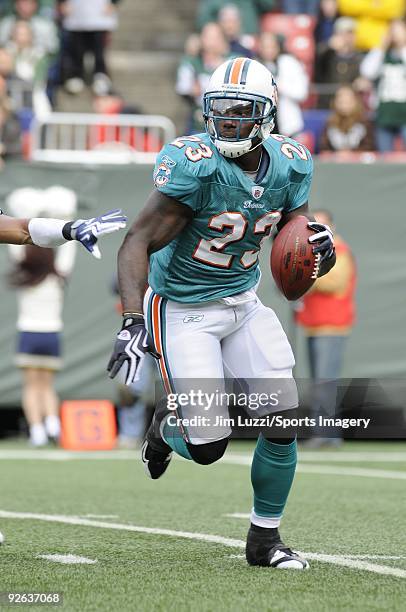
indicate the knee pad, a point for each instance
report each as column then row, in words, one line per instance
column 205, row 454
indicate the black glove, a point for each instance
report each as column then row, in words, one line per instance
column 324, row 240
column 132, row 344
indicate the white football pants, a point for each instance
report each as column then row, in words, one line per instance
column 208, row 344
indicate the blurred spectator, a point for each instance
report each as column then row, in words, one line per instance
column 18, row 91
column 327, row 314
column 229, row 19
column 45, row 37
column 386, row 66
column 325, row 22
column 10, row 131
column 338, row 61
column 250, row 11
column 347, row 128
column 30, row 63
column 39, row 275
column 194, row 72
column 87, row 24
column 297, row 7
column 291, row 79
column 46, row 8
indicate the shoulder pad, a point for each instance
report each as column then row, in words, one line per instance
column 195, row 155
column 297, row 157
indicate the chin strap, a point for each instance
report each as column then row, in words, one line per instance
column 233, row 149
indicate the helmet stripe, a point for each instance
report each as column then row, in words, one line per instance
column 236, row 70
column 228, row 71
column 244, row 72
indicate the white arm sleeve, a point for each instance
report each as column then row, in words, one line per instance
column 371, row 65
column 292, row 79
column 46, row 232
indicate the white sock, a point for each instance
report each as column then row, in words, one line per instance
column 38, row 436
column 265, row 521
column 53, row 426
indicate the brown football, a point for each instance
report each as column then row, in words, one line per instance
column 293, row 263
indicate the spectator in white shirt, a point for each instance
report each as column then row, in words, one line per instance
column 291, row 79
column 87, row 24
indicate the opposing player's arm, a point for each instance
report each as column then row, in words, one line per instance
column 14, row 231
column 323, row 239
column 159, row 222
column 50, row 233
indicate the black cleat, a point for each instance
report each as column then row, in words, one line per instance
column 265, row 547
column 155, row 452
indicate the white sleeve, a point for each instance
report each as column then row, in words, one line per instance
column 46, row 232
column 292, row 79
column 371, row 65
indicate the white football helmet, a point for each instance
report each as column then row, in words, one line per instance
column 245, row 85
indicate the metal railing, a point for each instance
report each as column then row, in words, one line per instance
column 86, row 138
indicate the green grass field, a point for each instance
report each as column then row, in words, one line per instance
column 345, row 504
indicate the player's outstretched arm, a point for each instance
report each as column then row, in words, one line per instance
column 54, row 232
column 322, row 240
column 14, row 231
column 160, row 221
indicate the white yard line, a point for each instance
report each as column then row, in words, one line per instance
column 230, row 458
column 123, row 455
column 64, row 455
column 239, row 515
column 239, row 459
column 387, row 557
column 348, row 561
column 352, row 456
column 69, row 559
column 74, row 520
column 100, row 516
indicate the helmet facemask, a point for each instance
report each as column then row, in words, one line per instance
column 240, row 109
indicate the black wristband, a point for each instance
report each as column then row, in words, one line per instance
column 129, row 320
column 66, row 230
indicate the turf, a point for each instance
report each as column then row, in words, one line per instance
column 336, row 515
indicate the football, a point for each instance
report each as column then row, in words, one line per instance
column 293, row 263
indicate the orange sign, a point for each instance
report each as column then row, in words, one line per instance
column 88, row 425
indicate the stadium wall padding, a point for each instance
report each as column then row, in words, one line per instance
column 369, row 207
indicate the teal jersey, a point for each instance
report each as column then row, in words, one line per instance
column 216, row 254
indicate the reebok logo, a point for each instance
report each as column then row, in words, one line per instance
column 124, row 335
column 193, row 318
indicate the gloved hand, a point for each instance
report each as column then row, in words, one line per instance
column 132, row 344
column 87, row 231
column 323, row 238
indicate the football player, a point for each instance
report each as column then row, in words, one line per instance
column 188, row 270
column 54, row 232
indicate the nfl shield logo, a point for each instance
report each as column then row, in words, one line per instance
column 257, row 191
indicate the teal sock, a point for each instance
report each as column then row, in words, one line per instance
column 173, row 437
column 272, row 472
